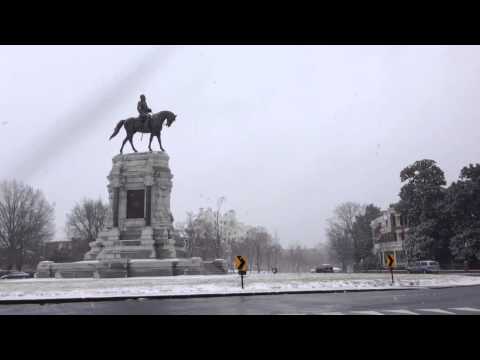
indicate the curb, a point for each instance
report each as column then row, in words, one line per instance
column 191, row 296
column 449, row 286
column 152, row 297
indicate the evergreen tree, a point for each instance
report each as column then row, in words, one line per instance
column 463, row 205
column 421, row 202
column 362, row 233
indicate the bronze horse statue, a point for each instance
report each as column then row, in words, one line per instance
column 134, row 124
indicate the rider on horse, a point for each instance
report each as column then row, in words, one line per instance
column 144, row 111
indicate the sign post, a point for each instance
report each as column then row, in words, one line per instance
column 391, row 264
column 241, row 266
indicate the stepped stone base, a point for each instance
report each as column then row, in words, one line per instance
column 138, row 236
column 117, row 268
column 139, row 222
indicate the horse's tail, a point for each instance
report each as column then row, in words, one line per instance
column 117, row 128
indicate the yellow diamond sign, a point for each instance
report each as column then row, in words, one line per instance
column 241, row 263
column 390, row 261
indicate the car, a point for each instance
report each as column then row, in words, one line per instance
column 16, row 275
column 4, row 272
column 424, row 266
column 325, row 268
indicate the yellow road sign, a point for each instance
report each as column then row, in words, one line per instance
column 241, row 263
column 390, row 261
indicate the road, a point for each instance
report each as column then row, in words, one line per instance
column 460, row 301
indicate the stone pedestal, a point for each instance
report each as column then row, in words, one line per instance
column 139, row 222
column 138, row 237
column 117, row 268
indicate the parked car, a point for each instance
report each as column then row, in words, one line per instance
column 325, row 268
column 4, row 272
column 424, row 266
column 16, row 275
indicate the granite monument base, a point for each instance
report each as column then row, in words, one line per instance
column 118, row 268
column 138, row 238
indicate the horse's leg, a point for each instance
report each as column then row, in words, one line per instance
column 159, row 137
column 123, row 144
column 150, row 143
column 130, row 138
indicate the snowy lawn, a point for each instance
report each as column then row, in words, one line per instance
column 34, row 289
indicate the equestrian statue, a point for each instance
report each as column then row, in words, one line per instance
column 145, row 123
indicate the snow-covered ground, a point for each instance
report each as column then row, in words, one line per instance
column 35, row 289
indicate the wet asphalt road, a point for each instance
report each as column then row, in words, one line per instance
column 450, row 301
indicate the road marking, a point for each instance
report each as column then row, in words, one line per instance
column 398, row 311
column 438, row 311
column 465, row 309
column 366, row 313
column 401, row 311
column 331, row 313
column 292, row 314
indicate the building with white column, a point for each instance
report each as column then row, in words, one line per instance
column 389, row 232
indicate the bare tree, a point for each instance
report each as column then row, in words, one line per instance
column 340, row 232
column 322, row 253
column 231, row 232
column 276, row 254
column 346, row 214
column 294, row 257
column 190, row 232
column 258, row 240
column 248, row 247
column 275, row 251
column 218, row 240
column 201, row 233
column 26, row 222
column 211, row 233
column 269, row 256
column 84, row 222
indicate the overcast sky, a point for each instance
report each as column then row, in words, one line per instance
column 285, row 133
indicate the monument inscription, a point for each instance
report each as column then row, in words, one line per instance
column 135, row 204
